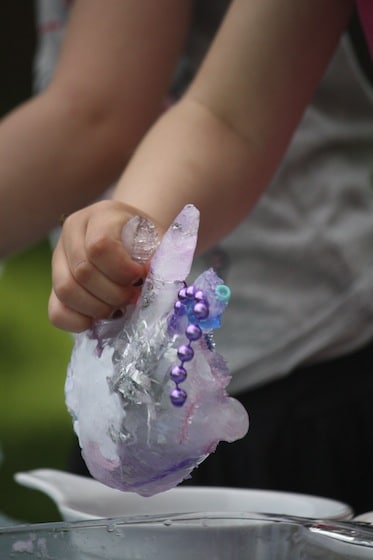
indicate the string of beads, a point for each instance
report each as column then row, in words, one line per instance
column 194, row 304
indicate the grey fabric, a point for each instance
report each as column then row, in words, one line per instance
column 301, row 265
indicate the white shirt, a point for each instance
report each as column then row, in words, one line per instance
column 301, row 265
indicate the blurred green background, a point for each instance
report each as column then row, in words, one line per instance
column 35, row 429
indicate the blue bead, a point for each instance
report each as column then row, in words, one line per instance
column 222, row 293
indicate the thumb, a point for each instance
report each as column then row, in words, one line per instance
column 140, row 238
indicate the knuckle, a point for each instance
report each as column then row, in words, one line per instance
column 82, row 271
column 97, row 247
column 66, row 320
column 55, row 313
column 119, row 297
column 63, row 288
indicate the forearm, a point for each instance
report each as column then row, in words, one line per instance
column 66, row 146
column 201, row 161
column 219, row 147
column 39, row 178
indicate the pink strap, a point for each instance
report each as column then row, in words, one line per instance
column 365, row 8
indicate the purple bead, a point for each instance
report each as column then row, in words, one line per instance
column 182, row 294
column 201, row 310
column 193, row 332
column 179, row 308
column 185, row 353
column 178, row 396
column 199, row 296
column 190, row 291
column 178, row 374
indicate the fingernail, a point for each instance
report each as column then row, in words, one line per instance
column 140, row 238
column 116, row 314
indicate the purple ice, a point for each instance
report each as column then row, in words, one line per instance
column 118, row 384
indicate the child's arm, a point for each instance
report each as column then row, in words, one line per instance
column 64, row 147
column 217, row 148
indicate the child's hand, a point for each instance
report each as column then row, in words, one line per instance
column 92, row 273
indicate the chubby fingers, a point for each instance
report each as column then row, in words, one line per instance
column 92, row 274
column 66, row 318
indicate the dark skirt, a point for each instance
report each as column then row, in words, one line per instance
column 310, row 432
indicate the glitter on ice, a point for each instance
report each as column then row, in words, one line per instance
column 147, row 391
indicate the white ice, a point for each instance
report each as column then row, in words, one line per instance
column 118, row 384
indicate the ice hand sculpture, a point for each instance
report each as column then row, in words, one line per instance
column 147, row 391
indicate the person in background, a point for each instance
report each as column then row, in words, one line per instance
column 69, row 143
column 298, row 332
